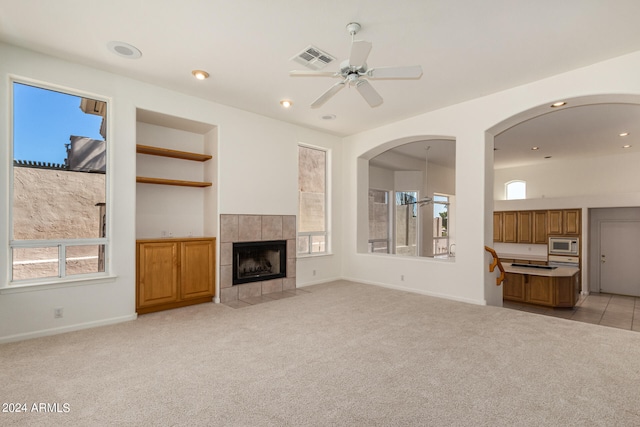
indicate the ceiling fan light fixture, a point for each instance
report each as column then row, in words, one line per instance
column 200, row 74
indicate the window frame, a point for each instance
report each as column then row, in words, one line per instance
column 327, row 208
column 62, row 278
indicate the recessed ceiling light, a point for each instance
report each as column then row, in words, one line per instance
column 329, row 117
column 124, row 50
column 286, row 103
column 558, row 104
column 624, row 134
column 535, row 148
column 626, row 146
column 200, row 74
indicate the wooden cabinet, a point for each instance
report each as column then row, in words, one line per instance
column 513, row 287
column 571, row 221
column 510, row 227
column 539, row 290
column 554, row 223
column 535, row 226
column 542, row 290
column 173, row 273
column 525, row 227
column 497, row 227
column 540, row 227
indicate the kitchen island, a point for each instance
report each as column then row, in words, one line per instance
column 541, row 285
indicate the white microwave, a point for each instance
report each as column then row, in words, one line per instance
column 564, row 246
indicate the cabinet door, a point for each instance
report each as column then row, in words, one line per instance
column 525, row 227
column 571, row 220
column 540, row 227
column 197, row 269
column 513, row 287
column 509, row 228
column 565, row 289
column 539, row 290
column 554, row 222
column 157, row 273
column 497, row 226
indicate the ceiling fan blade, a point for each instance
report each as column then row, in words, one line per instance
column 328, row 94
column 359, row 53
column 312, row 73
column 409, row 72
column 369, row 94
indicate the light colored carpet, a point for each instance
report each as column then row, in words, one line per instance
column 342, row 354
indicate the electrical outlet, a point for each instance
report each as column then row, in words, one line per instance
column 313, row 273
column 58, row 313
column 163, row 233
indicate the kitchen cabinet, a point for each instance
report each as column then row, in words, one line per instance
column 539, row 289
column 173, row 273
column 513, row 287
column 571, row 221
column 554, row 223
column 525, row 227
column 510, row 227
column 497, row 227
column 540, row 227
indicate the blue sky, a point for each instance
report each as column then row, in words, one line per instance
column 43, row 121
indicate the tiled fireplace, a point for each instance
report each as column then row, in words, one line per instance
column 262, row 231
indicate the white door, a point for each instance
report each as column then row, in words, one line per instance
column 619, row 264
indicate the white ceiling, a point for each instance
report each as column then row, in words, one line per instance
column 466, row 48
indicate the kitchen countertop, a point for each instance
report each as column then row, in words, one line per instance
column 556, row 272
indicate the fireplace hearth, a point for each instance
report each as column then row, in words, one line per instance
column 259, row 261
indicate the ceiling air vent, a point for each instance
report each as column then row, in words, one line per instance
column 314, row 58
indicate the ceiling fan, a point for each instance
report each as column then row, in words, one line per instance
column 355, row 72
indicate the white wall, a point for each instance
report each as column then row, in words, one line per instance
column 257, row 174
column 472, row 124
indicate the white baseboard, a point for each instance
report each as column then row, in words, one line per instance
column 418, row 291
column 69, row 328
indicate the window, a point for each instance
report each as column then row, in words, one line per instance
column 406, row 219
column 58, row 198
column 379, row 221
column 516, row 190
column 312, row 201
column 440, row 224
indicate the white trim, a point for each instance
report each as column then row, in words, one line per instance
column 56, row 283
column 70, row 328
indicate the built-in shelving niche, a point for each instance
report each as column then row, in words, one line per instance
column 175, row 169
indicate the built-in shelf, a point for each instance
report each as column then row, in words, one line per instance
column 161, row 181
column 175, row 154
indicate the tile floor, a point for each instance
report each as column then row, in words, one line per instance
column 616, row 311
column 271, row 297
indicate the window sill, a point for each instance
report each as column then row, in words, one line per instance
column 301, row 256
column 44, row 286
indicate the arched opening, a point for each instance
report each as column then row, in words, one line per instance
column 409, row 185
column 578, row 157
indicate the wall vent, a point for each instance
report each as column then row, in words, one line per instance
column 313, row 58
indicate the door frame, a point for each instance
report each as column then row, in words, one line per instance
column 596, row 217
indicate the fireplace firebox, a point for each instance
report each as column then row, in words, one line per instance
column 258, row 261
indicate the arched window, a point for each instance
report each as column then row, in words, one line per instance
column 516, row 190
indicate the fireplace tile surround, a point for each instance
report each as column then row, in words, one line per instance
column 250, row 228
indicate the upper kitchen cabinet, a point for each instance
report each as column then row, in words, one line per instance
column 497, row 227
column 525, row 227
column 564, row 222
column 510, row 227
column 571, row 221
column 540, row 227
